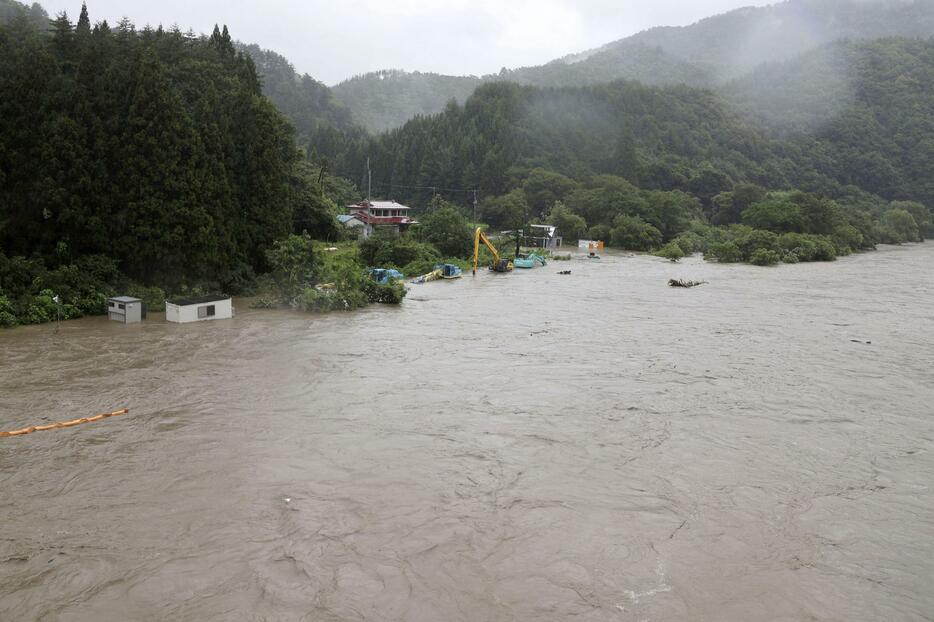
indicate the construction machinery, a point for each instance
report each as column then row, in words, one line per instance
column 499, row 264
column 528, row 261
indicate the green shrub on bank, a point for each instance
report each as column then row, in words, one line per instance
column 807, row 247
column 7, row 313
column 446, row 229
column 418, row 267
column 764, row 257
column 690, row 242
column 740, row 243
column 724, row 252
column 390, row 293
column 386, row 250
column 321, row 301
column 671, row 251
column 28, row 287
column 326, row 280
column 635, row 234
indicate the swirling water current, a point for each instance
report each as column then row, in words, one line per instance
column 532, row 446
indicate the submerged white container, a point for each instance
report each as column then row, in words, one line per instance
column 185, row 310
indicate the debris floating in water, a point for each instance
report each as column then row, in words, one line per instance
column 680, row 283
column 64, row 424
column 565, row 272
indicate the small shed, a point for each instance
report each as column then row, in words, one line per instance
column 544, row 236
column 184, row 310
column 126, row 309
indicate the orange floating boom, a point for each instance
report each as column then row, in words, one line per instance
column 64, row 424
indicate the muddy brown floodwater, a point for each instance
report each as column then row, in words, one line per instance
column 530, row 446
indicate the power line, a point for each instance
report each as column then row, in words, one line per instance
column 392, row 185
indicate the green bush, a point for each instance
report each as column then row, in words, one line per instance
column 807, row 247
column 847, row 238
column 633, row 233
column 764, row 257
column 294, row 263
column 671, row 251
column 323, row 301
column 825, row 249
column 418, row 267
column 755, row 239
column 391, row 293
column 570, row 226
column 691, row 242
column 384, row 250
column 724, row 252
column 7, row 313
column 898, row 226
column 447, row 230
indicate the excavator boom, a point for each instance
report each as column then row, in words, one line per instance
column 499, row 264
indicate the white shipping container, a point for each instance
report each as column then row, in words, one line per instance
column 185, row 310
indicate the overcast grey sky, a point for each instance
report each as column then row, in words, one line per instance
column 335, row 40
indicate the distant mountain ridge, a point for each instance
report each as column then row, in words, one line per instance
column 734, row 43
column 318, row 117
column 383, row 100
column 709, row 53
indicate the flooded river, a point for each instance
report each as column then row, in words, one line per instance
column 530, row 446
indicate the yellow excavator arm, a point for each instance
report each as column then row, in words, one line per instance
column 499, row 265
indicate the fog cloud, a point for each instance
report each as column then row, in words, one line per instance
column 335, row 40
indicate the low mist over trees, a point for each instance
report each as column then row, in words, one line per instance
column 708, row 54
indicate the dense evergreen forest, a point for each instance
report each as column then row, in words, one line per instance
column 150, row 154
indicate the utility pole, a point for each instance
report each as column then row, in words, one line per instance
column 369, row 180
column 475, row 206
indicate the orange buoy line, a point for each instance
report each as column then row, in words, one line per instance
column 64, row 424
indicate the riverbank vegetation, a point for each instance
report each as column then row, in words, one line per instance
column 150, row 162
column 309, row 276
column 649, row 168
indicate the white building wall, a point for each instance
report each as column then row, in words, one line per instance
column 223, row 310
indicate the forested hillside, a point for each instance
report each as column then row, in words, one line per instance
column 736, row 42
column 382, row 100
column 12, row 11
column 648, row 64
column 644, row 166
column 863, row 110
column 708, row 53
column 653, row 135
column 154, row 148
column 318, row 117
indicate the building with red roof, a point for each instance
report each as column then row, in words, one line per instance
column 379, row 214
